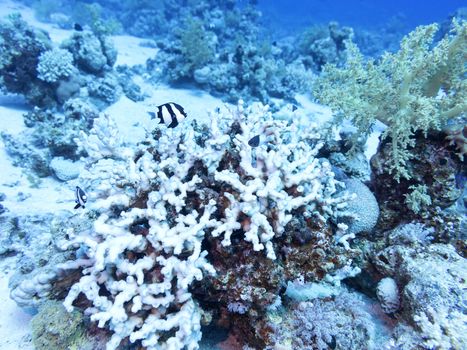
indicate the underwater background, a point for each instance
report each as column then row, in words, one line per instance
column 357, row 13
column 233, row 174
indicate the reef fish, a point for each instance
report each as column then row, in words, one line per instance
column 171, row 114
column 80, row 197
column 254, row 141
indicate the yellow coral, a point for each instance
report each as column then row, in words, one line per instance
column 418, row 88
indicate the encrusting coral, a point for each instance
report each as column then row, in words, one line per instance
column 419, row 88
column 160, row 206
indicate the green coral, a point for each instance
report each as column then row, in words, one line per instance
column 419, row 199
column 418, row 88
column 195, row 45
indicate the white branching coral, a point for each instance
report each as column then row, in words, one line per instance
column 55, row 64
column 157, row 201
column 279, row 177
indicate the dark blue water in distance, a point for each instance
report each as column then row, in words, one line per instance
column 366, row 14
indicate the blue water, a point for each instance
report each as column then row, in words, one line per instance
column 356, row 13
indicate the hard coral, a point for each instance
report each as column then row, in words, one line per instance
column 363, row 207
column 184, row 193
column 55, row 64
column 419, row 88
column 20, row 49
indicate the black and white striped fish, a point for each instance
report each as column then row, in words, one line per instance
column 171, row 114
column 80, row 197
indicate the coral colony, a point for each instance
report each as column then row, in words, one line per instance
column 256, row 220
column 146, row 246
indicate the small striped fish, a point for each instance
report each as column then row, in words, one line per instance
column 171, row 114
column 80, row 197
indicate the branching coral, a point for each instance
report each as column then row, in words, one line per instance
column 156, row 205
column 419, row 88
column 55, row 64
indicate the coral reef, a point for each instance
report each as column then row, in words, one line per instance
column 161, row 211
column 257, row 220
column 76, row 79
column 47, row 76
column 221, row 51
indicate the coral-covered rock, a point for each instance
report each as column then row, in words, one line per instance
column 431, row 282
column 435, row 166
column 91, row 53
column 20, row 48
